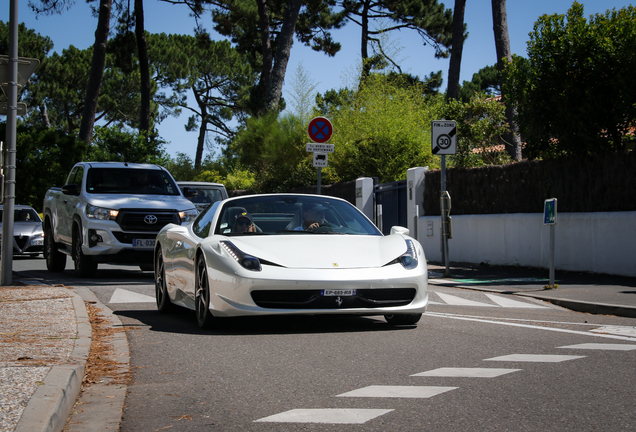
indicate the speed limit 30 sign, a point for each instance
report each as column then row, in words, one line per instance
column 444, row 137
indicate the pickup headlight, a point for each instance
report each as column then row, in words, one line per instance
column 188, row 215
column 94, row 212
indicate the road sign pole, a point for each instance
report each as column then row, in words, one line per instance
column 319, row 180
column 8, row 159
column 552, row 236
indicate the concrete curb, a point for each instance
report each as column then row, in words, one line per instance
column 100, row 406
column 587, row 307
column 52, row 402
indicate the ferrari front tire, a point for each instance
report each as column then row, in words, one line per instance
column 164, row 305
column 402, row 319
column 202, row 295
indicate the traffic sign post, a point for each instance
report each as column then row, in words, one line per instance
column 550, row 218
column 320, row 131
column 444, row 142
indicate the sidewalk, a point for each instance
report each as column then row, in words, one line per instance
column 45, row 349
column 45, row 341
column 577, row 291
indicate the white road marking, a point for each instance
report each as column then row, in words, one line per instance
column 535, row 327
column 466, row 372
column 326, row 415
column 509, row 303
column 616, row 330
column 379, row 391
column 458, row 301
column 125, row 296
column 535, row 358
column 600, row 346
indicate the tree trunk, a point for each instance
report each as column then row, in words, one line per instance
column 364, row 44
column 454, row 68
column 266, row 52
column 502, row 45
column 144, row 71
column 97, row 71
column 284, row 43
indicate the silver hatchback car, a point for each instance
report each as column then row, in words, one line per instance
column 28, row 237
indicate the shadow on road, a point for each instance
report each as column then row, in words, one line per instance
column 183, row 321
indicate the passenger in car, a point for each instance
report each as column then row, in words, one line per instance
column 243, row 223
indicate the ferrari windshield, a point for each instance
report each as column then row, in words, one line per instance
column 292, row 214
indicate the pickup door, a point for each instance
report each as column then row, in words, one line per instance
column 68, row 203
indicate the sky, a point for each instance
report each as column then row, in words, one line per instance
column 76, row 26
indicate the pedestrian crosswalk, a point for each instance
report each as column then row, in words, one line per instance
column 494, row 301
column 388, row 392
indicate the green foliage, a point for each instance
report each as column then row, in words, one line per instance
column 383, row 130
column 43, row 159
column 576, row 94
column 116, row 144
column 273, row 147
column 486, row 80
column 480, row 124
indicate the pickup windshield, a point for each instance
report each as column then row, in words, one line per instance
column 130, row 181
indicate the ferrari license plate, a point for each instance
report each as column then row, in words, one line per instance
column 144, row 243
column 338, row 292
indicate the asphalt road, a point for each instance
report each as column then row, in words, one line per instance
column 475, row 361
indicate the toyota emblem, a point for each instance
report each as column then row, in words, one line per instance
column 150, row 219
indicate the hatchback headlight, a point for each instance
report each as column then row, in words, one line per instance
column 188, row 215
column 101, row 213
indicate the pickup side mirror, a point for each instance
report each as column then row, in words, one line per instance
column 70, row 189
column 399, row 230
column 189, row 192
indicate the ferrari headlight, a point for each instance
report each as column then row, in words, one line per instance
column 248, row 262
column 94, row 212
column 188, row 215
column 409, row 258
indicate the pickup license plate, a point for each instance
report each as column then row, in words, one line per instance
column 338, row 292
column 143, row 243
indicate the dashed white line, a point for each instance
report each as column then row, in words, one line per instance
column 125, row 296
column 535, row 358
column 326, row 415
column 379, row 391
column 510, row 303
column 600, row 346
column 466, row 372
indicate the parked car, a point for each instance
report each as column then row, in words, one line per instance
column 207, row 193
column 28, row 237
column 266, row 255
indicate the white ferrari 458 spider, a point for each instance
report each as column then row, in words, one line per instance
column 289, row 254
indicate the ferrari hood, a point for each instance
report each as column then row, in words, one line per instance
column 323, row 251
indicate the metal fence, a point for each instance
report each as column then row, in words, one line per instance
column 390, row 200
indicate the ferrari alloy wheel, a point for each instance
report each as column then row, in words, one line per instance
column 403, row 319
column 55, row 260
column 202, row 295
column 164, row 304
column 84, row 265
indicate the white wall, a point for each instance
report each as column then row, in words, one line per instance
column 603, row 242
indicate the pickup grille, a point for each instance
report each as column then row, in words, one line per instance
column 135, row 220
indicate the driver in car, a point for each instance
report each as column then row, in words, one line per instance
column 313, row 217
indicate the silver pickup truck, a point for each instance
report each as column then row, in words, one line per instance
column 110, row 212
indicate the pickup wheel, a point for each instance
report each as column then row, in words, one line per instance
column 55, row 260
column 84, row 265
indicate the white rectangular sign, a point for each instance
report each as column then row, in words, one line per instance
column 320, row 160
column 444, row 137
column 319, row 148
